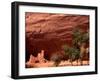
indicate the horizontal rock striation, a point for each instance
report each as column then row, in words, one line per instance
column 46, row 31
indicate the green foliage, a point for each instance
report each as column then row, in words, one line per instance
column 66, row 49
column 85, row 37
column 56, row 58
column 72, row 52
column 79, row 37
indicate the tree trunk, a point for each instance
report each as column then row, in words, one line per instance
column 82, row 51
column 77, row 62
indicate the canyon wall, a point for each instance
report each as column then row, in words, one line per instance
column 48, row 32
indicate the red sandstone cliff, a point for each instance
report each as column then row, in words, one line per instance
column 50, row 31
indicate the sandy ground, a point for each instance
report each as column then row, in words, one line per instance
column 51, row 64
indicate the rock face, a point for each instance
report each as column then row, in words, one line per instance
column 46, row 31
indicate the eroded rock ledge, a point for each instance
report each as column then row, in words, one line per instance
column 50, row 31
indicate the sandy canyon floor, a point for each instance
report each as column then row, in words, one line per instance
column 51, row 64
